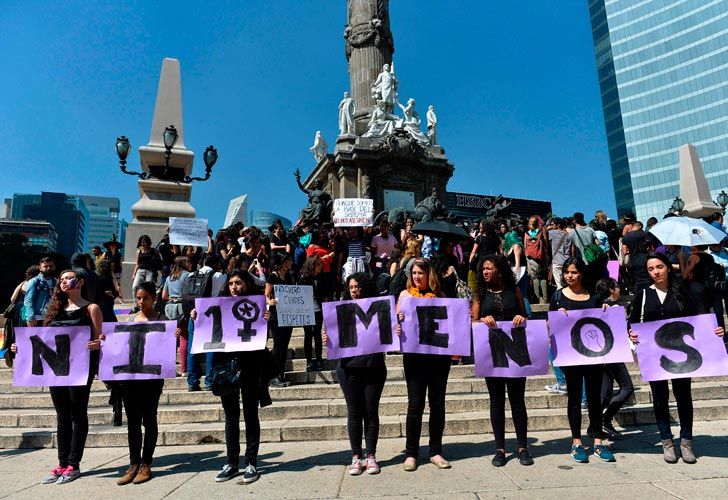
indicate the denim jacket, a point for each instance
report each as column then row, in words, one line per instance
column 37, row 297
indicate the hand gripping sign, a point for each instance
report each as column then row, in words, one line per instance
column 52, row 356
column 435, row 326
column 230, row 324
column 358, row 327
column 138, row 351
column 508, row 351
column 680, row 348
column 590, row 337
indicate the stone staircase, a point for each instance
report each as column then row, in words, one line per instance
column 313, row 409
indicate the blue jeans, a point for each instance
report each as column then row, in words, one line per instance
column 558, row 372
column 194, row 371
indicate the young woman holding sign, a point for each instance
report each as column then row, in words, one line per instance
column 280, row 264
column 423, row 373
column 498, row 299
column 141, row 401
column 362, row 381
column 68, row 307
column 576, row 296
column 667, row 298
column 253, row 388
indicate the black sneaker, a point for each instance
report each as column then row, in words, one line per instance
column 311, row 366
column 320, row 365
column 193, row 388
column 499, row 460
column 524, row 458
column 250, row 475
column 228, row 472
column 279, row 382
column 609, row 427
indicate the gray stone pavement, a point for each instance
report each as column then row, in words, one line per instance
column 318, row 470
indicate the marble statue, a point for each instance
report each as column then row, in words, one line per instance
column 320, row 204
column 346, row 115
column 385, row 88
column 431, row 125
column 381, row 123
column 320, row 147
column 411, row 121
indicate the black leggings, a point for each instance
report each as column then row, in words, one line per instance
column 425, row 373
column 516, row 395
column 71, row 404
column 141, row 400
column 313, row 333
column 612, row 402
column 281, row 339
column 362, row 388
column 681, row 387
column 575, row 378
column 231, row 405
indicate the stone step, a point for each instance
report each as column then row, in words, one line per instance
column 334, row 428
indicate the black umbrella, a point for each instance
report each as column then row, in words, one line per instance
column 441, row 229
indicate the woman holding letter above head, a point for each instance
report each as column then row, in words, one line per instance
column 423, row 373
column 362, row 381
column 68, row 307
column 667, row 297
column 141, row 401
column 498, row 299
column 573, row 296
column 252, row 384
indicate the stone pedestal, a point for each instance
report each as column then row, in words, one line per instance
column 693, row 185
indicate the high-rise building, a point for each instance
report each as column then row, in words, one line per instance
column 20, row 201
column 68, row 215
column 121, row 231
column 237, row 211
column 6, row 208
column 42, row 237
column 663, row 73
column 103, row 220
column 263, row 220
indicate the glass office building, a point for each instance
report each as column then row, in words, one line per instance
column 663, row 74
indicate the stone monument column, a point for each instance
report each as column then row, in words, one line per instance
column 369, row 46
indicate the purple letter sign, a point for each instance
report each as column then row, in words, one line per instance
column 357, row 327
column 511, row 352
column 138, row 351
column 590, row 337
column 52, row 356
column 435, row 326
column 230, row 324
column 680, row 348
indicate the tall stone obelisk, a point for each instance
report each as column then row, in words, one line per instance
column 693, row 185
column 160, row 199
column 369, row 46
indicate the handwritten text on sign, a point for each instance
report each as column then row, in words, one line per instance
column 294, row 305
column 230, row 324
column 590, row 337
column 52, row 356
column 435, row 326
column 186, row 231
column 358, row 327
column 511, row 352
column 680, row 348
column 138, row 351
column 353, row 212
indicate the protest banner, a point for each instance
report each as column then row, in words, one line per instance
column 353, row 212
column 188, row 231
column 138, row 351
column 613, row 269
column 590, row 337
column 435, row 326
column 357, row 327
column 230, row 324
column 680, row 348
column 511, row 352
column 52, row 356
column 294, row 305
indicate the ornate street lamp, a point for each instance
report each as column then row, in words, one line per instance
column 678, row 205
column 170, row 136
column 722, row 200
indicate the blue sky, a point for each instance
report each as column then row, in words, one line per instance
column 514, row 84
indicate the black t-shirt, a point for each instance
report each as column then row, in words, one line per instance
column 561, row 301
column 503, row 305
column 274, row 279
column 487, row 245
column 636, row 241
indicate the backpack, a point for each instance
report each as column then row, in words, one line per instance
column 534, row 246
column 594, row 255
column 715, row 278
column 398, row 282
column 197, row 284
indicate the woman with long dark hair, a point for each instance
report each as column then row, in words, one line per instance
column 666, row 298
column 424, row 373
column 280, row 264
column 574, row 296
column 145, row 263
column 68, row 307
column 498, row 299
column 311, row 275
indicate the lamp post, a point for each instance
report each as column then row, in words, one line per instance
column 170, row 136
column 722, row 200
column 677, row 206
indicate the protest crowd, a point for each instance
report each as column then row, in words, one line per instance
column 501, row 272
